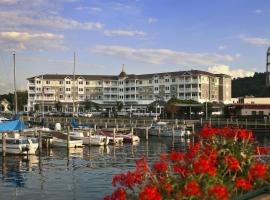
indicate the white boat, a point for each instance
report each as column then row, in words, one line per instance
column 19, row 145
column 165, row 131
column 57, row 142
column 98, row 140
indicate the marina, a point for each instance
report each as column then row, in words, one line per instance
column 83, row 173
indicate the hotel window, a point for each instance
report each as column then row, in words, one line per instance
column 99, row 89
column 38, row 82
column 60, row 82
column 167, row 88
column 87, row 90
column 80, row 89
column 181, row 86
column 173, row 88
column 47, row 82
column 99, row 82
column 87, row 83
column 150, row 81
column 61, row 89
column 156, row 88
column 167, row 80
column 68, row 89
column 61, row 96
column 67, row 82
column 173, row 80
column 156, row 80
column 80, row 82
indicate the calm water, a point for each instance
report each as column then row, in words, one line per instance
column 83, row 174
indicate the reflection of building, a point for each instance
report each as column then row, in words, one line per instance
column 136, row 91
column 268, row 67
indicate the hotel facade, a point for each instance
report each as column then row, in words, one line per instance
column 59, row 92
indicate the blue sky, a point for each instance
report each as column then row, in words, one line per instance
column 225, row 36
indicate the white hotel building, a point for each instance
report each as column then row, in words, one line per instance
column 133, row 90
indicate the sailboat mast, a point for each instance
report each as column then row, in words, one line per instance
column 74, row 84
column 15, row 89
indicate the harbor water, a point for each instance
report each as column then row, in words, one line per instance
column 83, row 173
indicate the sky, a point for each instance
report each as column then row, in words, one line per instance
column 147, row 36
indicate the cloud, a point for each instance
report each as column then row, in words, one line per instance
column 32, row 41
column 89, row 8
column 17, row 19
column 222, row 47
column 258, row 11
column 128, row 33
column 151, row 20
column 225, row 69
column 255, row 40
column 164, row 56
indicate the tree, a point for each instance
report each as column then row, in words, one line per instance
column 87, row 105
column 36, row 107
column 119, row 105
column 58, row 106
column 2, row 108
column 171, row 107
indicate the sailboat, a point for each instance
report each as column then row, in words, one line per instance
column 77, row 133
column 16, row 144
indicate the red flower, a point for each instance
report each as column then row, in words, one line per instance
column 160, row 166
column 176, row 156
column 219, row 191
column 192, row 188
column 180, row 169
column 258, row 170
column 208, row 132
column 204, row 165
column 168, row 188
column 118, row 194
column 129, row 179
column 150, row 193
column 262, row 150
column 231, row 162
column 242, row 183
column 141, row 165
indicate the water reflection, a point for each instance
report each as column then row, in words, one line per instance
column 15, row 168
column 83, row 173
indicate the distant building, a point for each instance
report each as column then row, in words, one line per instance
column 249, row 105
column 133, row 91
column 268, row 68
column 253, row 100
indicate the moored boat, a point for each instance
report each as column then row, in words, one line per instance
column 19, row 145
column 127, row 136
column 161, row 129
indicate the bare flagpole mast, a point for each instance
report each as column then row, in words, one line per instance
column 15, row 89
column 74, row 84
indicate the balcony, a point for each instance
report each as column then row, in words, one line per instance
column 49, row 91
column 45, row 98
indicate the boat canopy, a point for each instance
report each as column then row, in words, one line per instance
column 12, row 125
column 74, row 124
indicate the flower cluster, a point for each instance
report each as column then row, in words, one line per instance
column 220, row 165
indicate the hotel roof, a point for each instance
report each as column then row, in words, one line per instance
column 129, row 76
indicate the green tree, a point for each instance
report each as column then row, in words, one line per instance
column 58, row 106
column 119, row 105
